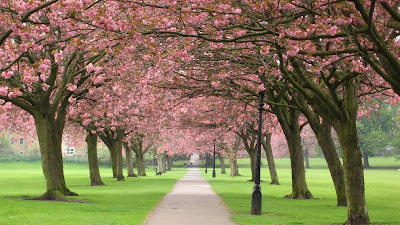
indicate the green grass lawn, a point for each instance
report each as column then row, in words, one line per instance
column 382, row 195
column 127, row 202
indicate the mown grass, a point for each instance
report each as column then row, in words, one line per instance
column 127, row 202
column 382, row 195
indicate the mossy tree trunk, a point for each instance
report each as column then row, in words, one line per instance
column 352, row 158
column 129, row 161
column 289, row 121
column 49, row 131
column 323, row 132
column 270, row 158
column 91, row 140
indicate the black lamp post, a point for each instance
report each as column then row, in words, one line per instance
column 213, row 175
column 206, row 162
column 256, row 196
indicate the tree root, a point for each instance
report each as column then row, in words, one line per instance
column 300, row 195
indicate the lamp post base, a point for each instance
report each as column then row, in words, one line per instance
column 213, row 175
column 206, row 170
column 256, row 200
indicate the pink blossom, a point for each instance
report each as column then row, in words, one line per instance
column 292, row 52
column 45, row 86
column 71, row 87
column 71, row 100
column 3, row 91
column 332, row 31
column 7, row 74
column 23, row 47
column 89, row 67
column 215, row 84
column 264, row 50
column 44, row 66
column 261, row 87
column 58, row 56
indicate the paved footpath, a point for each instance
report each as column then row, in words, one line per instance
column 192, row 202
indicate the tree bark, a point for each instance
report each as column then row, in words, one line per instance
column 49, row 133
column 306, row 158
column 270, row 158
column 141, row 168
column 161, row 163
column 114, row 144
column 324, row 137
column 234, row 167
column 249, row 142
column 345, row 126
column 289, row 120
column 120, row 160
column 91, row 140
column 129, row 161
column 222, row 162
column 169, row 162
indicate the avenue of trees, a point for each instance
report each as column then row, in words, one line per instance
column 169, row 77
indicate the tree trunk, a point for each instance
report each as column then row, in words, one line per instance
column 222, row 162
column 120, row 160
column 169, row 162
column 324, row 137
column 366, row 161
column 289, row 120
column 353, row 174
column 299, row 184
column 140, row 164
column 161, row 163
column 50, row 137
column 346, row 130
column 306, row 158
column 113, row 158
column 129, row 161
column 270, row 158
column 91, row 140
column 234, row 167
column 253, row 162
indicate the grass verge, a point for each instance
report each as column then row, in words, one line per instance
column 382, row 195
column 127, row 202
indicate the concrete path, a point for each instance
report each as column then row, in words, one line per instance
column 192, row 202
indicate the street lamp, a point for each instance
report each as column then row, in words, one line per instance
column 213, row 175
column 256, row 196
